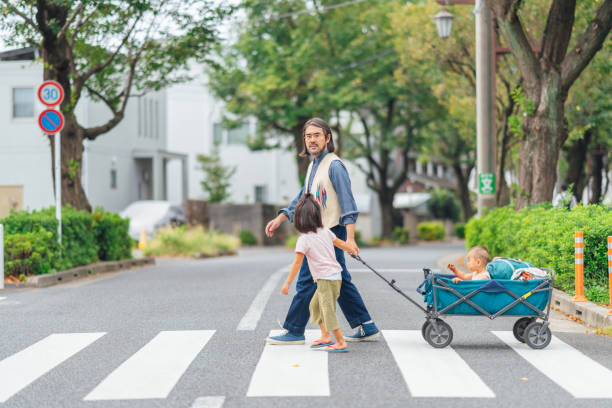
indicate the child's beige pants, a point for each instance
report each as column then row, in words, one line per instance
column 323, row 304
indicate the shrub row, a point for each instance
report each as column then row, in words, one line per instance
column 31, row 247
column 544, row 236
column 431, row 231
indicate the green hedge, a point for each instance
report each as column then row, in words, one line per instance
column 247, row 238
column 112, row 235
column 30, row 240
column 544, row 236
column 460, row 230
column 400, row 235
column 431, row 231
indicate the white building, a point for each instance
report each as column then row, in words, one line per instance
column 150, row 154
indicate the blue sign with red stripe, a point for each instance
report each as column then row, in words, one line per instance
column 51, row 121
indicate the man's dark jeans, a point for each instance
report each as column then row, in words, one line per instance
column 350, row 300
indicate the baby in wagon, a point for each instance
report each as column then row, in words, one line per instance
column 477, row 259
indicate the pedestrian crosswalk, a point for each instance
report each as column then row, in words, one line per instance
column 155, row 369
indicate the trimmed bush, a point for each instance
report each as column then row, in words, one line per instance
column 29, row 253
column 181, row 241
column 112, row 235
column 443, row 204
column 544, row 236
column 401, row 235
column 31, row 240
column 291, row 241
column 460, row 230
column 247, row 238
column 431, row 231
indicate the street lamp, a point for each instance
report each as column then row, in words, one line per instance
column 444, row 22
column 485, row 96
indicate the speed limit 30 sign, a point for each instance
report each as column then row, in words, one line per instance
column 50, row 93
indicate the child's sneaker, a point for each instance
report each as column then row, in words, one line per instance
column 286, row 338
column 367, row 331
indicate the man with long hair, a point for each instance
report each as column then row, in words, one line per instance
column 328, row 181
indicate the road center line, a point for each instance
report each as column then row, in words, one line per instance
column 251, row 317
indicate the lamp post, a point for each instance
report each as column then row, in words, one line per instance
column 485, row 96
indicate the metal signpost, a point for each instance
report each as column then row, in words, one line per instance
column 51, row 122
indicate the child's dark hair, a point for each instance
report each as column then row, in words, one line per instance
column 307, row 215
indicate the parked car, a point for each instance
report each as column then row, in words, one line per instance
column 151, row 215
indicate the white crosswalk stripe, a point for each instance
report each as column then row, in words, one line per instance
column 295, row 371
column 440, row 373
column 24, row 367
column 566, row 366
column 155, row 369
column 291, row 371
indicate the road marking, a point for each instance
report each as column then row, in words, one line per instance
column 155, row 369
column 566, row 366
column 2, row 297
column 431, row 372
column 24, row 367
column 291, row 371
column 208, row 402
column 251, row 318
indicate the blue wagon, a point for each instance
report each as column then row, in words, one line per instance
column 529, row 300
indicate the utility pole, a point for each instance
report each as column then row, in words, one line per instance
column 485, row 107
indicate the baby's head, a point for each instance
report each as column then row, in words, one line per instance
column 477, row 258
column 307, row 215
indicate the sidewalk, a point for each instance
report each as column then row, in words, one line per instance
column 589, row 313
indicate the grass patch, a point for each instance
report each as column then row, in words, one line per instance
column 190, row 242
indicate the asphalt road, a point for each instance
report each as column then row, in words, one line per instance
column 190, row 334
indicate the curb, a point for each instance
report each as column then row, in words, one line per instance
column 588, row 312
column 43, row 281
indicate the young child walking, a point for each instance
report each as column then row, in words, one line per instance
column 316, row 243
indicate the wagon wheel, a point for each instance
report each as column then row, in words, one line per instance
column 440, row 337
column 424, row 327
column 535, row 337
column 519, row 327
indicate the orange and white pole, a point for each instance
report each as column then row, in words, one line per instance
column 579, row 266
column 610, row 271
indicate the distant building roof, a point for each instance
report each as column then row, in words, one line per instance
column 20, row 54
column 409, row 201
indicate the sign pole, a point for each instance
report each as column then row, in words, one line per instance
column 58, row 187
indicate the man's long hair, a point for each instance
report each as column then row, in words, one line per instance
column 320, row 123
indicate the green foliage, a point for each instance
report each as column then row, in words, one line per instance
column 73, row 168
column 31, row 245
column 460, row 230
column 112, row 235
column 183, row 241
column 443, row 204
column 400, row 235
column 544, row 236
column 29, row 253
column 216, row 181
column 431, row 231
column 247, row 238
column 291, row 241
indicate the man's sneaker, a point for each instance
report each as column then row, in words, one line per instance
column 367, row 331
column 286, row 338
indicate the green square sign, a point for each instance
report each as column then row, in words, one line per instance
column 486, row 183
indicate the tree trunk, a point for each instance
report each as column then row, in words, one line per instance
column 545, row 132
column 385, row 199
column 463, row 191
column 576, row 155
column 597, row 165
column 56, row 56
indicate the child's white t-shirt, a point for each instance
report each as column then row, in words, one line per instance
column 318, row 247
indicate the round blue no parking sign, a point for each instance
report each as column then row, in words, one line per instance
column 51, row 121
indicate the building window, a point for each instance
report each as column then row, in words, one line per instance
column 260, row 194
column 217, row 134
column 238, row 135
column 23, row 103
column 113, row 179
